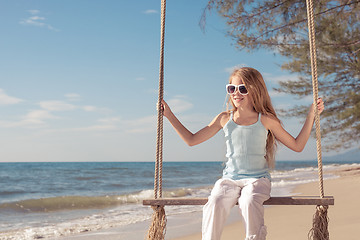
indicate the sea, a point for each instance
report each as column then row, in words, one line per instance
column 40, row 200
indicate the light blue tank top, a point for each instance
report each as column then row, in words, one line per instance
column 245, row 150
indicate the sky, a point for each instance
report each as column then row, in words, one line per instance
column 79, row 80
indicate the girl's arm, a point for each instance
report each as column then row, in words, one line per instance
column 297, row 144
column 193, row 138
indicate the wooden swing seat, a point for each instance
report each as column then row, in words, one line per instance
column 290, row 200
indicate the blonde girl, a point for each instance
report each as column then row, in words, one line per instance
column 251, row 130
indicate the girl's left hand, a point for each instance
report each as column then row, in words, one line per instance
column 320, row 105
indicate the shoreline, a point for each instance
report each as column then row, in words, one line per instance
column 294, row 222
column 344, row 219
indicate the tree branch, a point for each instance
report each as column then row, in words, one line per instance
column 302, row 20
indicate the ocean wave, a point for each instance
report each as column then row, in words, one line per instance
column 287, row 178
column 7, row 193
column 63, row 203
column 125, row 215
column 103, row 212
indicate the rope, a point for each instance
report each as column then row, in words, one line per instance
column 319, row 230
column 157, row 228
column 159, row 135
column 311, row 27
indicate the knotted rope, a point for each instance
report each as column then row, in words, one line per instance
column 158, row 226
column 319, row 230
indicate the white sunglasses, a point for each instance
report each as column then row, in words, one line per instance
column 231, row 89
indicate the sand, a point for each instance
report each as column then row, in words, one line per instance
column 294, row 222
column 283, row 222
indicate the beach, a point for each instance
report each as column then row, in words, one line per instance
column 95, row 215
column 283, row 222
column 294, row 222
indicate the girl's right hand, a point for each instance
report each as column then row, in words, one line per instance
column 320, row 107
column 165, row 108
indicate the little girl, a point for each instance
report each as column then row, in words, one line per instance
column 251, row 130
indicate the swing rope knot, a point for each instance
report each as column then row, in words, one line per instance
column 319, row 230
column 157, row 228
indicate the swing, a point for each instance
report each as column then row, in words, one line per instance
column 320, row 220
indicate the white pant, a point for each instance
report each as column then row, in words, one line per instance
column 250, row 193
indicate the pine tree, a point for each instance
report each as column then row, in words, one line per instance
column 281, row 26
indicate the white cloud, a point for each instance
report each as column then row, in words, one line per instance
column 141, row 125
column 34, row 119
column 108, row 121
column 8, row 100
column 99, row 127
column 73, row 96
column 91, row 128
column 105, row 124
column 151, row 11
column 34, row 11
column 89, row 108
column 36, row 20
column 179, row 104
column 57, row 106
column 37, row 116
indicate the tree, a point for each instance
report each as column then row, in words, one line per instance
column 281, row 26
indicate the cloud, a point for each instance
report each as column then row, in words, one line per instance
column 72, row 96
column 60, row 106
column 34, row 12
column 151, row 11
column 37, row 116
column 104, row 124
column 179, row 104
column 33, row 119
column 89, row 108
column 57, row 106
column 36, row 21
column 111, row 121
column 8, row 100
column 95, row 128
column 141, row 125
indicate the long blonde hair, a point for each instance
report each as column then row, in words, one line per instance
column 261, row 102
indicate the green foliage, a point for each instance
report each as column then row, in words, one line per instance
column 281, row 26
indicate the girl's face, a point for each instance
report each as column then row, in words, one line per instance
column 239, row 100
